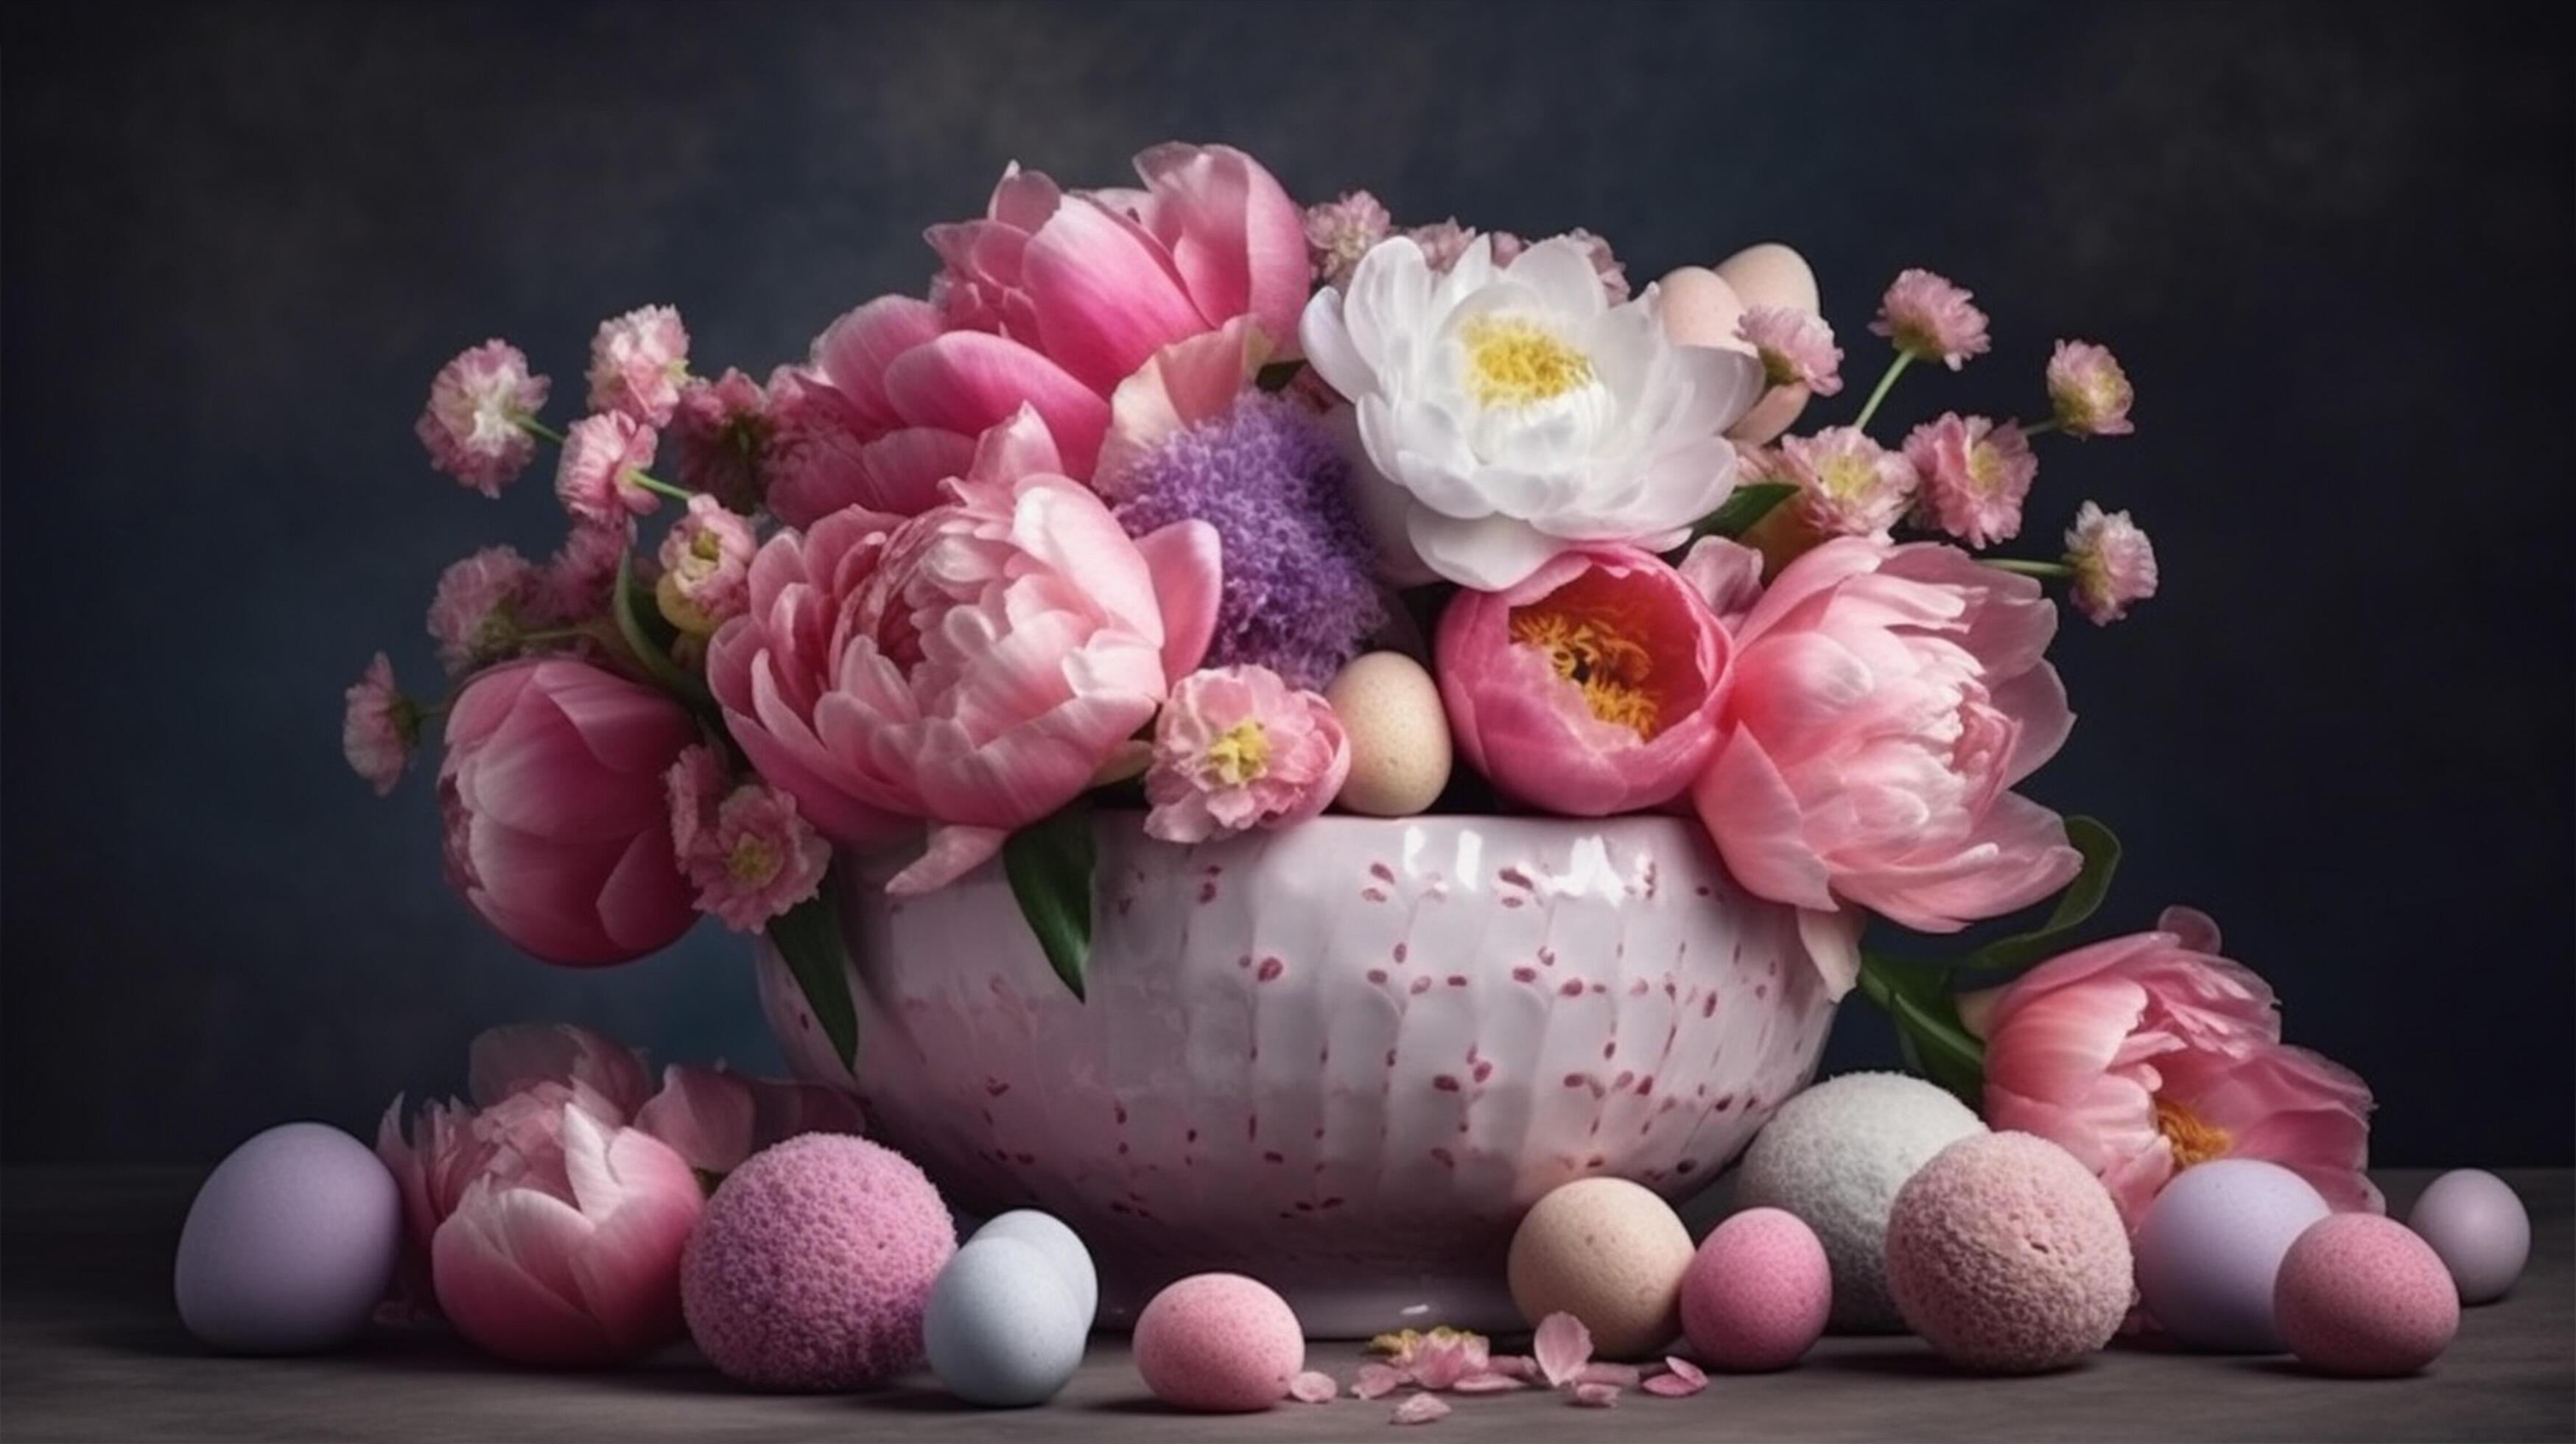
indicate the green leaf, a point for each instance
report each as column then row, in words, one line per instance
column 647, row 649
column 1926, row 1015
column 1748, row 504
column 1049, row 864
column 808, row 937
column 2082, row 897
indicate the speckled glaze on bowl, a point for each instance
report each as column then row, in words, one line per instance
column 1342, row 1058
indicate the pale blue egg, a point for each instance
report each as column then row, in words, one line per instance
column 290, row 1243
column 1063, row 1248
column 2210, row 1247
column 1001, row 1330
column 2479, row 1227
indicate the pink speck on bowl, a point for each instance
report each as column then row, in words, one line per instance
column 1758, row 1292
column 2361, row 1295
column 1219, row 1344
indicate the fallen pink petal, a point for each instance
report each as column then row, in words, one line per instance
column 1562, row 1346
column 1376, row 1381
column 1420, row 1409
column 1681, row 1379
column 1595, row 1396
column 1312, row 1387
column 1620, row 1376
column 1516, row 1366
column 1488, row 1383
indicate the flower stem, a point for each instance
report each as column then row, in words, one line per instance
column 534, row 427
column 1878, row 393
column 2029, row 568
column 2040, row 428
column 650, row 482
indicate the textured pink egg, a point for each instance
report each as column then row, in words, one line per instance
column 1219, row 1344
column 1757, row 1292
column 813, row 1263
column 2362, row 1295
column 2008, row 1256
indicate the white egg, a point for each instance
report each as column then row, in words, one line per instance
column 1399, row 735
column 1771, row 274
column 289, row 1244
column 1062, row 1247
column 1699, row 307
column 1001, row 1329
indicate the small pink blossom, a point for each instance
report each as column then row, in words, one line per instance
column 1311, row 1387
column 1445, row 1356
column 1975, row 474
column 379, row 728
column 2114, row 563
column 601, row 454
column 1339, row 232
column 1442, row 242
column 697, row 783
column 1929, row 317
column 1563, row 1346
column 481, row 607
column 1605, row 264
column 1681, row 1379
column 1848, row 485
column 1420, row 1409
column 637, row 362
column 754, row 859
column 1797, row 348
column 582, row 573
column 2089, row 390
column 1507, row 246
column 1596, row 1396
column 720, row 429
column 472, row 423
column 1376, row 1381
column 1237, row 748
column 706, row 567
column 813, row 458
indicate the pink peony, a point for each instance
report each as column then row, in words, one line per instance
column 972, row 666
column 2147, row 1054
column 2113, row 562
column 720, row 429
column 482, row 605
column 1848, row 485
column 1591, row 687
column 1339, row 232
column 472, row 425
column 2089, row 390
column 715, row 1118
column 1238, row 748
column 379, row 728
column 596, row 478
column 557, row 825
column 706, row 567
column 637, row 364
column 1797, row 348
column 1975, row 475
column 751, row 857
column 1884, row 700
column 1929, row 317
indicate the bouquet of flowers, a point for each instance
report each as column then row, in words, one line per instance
column 1128, row 502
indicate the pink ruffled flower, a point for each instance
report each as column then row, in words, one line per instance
column 2147, row 1054
column 582, row 574
column 815, row 447
column 596, row 478
column 1797, row 348
column 1339, row 232
column 1929, row 317
column 972, row 666
column 1591, row 687
column 2089, row 390
column 721, row 431
column 1443, row 242
column 471, row 425
column 637, row 364
column 715, row 1118
column 1605, row 264
column 1237, row 748
column 2114, row 564
column 1975, row 475
column 482, row 605
column 1848, row 485
column 752, row 857
column 706, row 567
column 379, row 728
column 557, row 825
column 1884, row 700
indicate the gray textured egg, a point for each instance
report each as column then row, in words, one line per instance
column 1063, row 1248
column 290, row 1243
column 2478, row 1225
column 1001, row 1330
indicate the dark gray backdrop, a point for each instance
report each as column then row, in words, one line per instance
column 2330, row 243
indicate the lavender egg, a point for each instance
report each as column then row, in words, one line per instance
column 2210, row 1248
column 2479, row 1227
column 290, row 1243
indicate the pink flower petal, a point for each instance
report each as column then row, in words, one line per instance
column 1681, row 1379
column 1514, row 1366
column 1617, row 1376
column 1311, row 1387
column 1376, row 1381
column 1595, row 1396
column 1420, row 1409
column 1563, row 1346
column 1489, row 1382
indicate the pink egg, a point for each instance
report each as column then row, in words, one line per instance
column 1757, row 1292
column 2362, row 1295
column 2008, row 1256
column 1219, row 1344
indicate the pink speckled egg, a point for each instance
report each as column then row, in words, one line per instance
column 2008, row 1256
column 813, row 1263
column 2362, row 1295
column 1219, row 1344
column 1757, row 1292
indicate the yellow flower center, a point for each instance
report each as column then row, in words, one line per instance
column 1240, row 754
column 1847, row 478
column 752, row 861
column 1592, row 651
column 1986, row 468
column 1512, row 362
column 2192, row 1140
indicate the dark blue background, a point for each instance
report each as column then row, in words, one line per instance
column 2330, row 243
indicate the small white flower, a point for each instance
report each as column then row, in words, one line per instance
column 1514, row 412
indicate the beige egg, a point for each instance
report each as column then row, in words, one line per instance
column 1771, row 274
column 1700, row 309
column 1612, row 1254
column 1400, row 753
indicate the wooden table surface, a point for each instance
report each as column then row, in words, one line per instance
column 91, row 1349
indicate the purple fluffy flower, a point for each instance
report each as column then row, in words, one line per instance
column 1299, row 594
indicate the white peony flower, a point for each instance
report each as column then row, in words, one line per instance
column 1513, row 412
